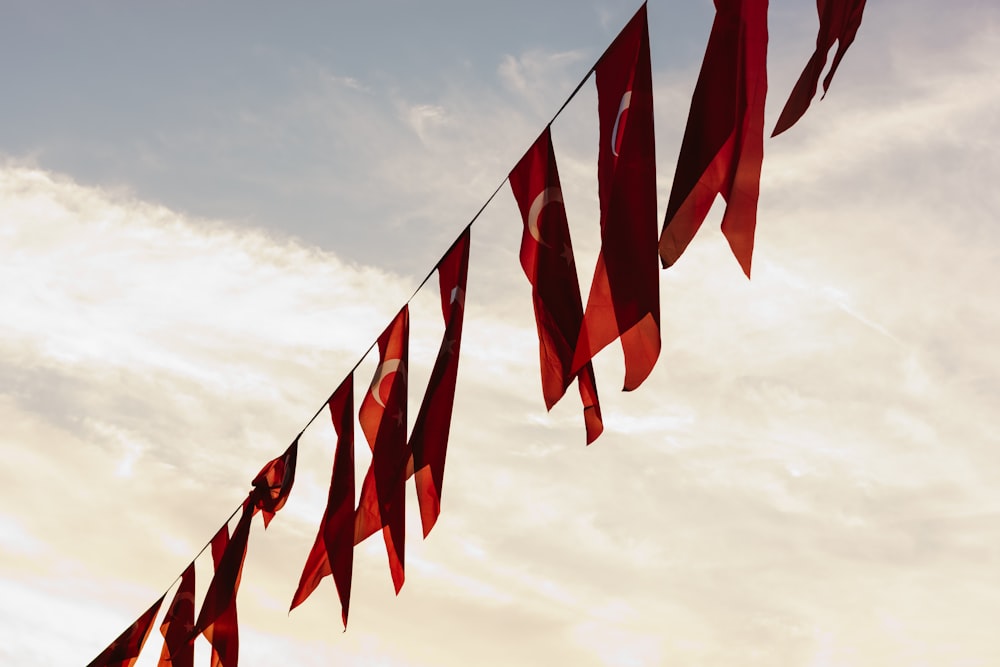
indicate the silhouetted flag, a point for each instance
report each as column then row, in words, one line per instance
column 429, row 438
column 548, row 263
column 274, row 482
column 333, row 550
column 723, row 143
column 839, row 21
column 383, row 420
column 218, row 619
column 124, row 650
column 178, row 623
column 624, row 301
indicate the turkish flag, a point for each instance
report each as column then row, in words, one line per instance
column 547, row 261
column 178, row 623
column 839, row 21
column 124, row 651
column 217, row 619
column 333, row 550
column 723, row 143
column 624, row 301
column 274, row 482
column 383, row 420
column 429, row 438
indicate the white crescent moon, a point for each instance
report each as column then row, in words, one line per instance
column 544, row 198
column 626, row 101
column 385, row 368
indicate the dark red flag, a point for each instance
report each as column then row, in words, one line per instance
column 429, row 438
column 218, row 619
column 333, row 550
column 624, row 301
column 723, row 143
column 839, row 21
column 178, row 624
column 124, row 650
column 274, row 482
column 383, row 420
column 547, row 260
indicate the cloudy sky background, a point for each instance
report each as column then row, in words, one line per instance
column 207, row 214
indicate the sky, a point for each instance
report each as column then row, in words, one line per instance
column 208, row 213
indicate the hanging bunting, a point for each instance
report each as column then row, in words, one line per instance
column 217, row 618
column 383, row 420
column 723, row 143
column 333, row 550
column 429, row 438
column 178, row 623
column 624, row 301
column 839, row 21
column 548, row 263
column 125, row 649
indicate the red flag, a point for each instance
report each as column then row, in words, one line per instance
column 429, row 438
column 839, row 21
column 124, row 651
column 383, row 420
column 723, row 144
column 178, row 624
column 333, row 550
column 274, row 482
column 624, row 301
column 218, row 619
column 547, row 260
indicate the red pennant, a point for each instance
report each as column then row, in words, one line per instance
column 548, row 263
column 124, row 651
column 178, row 624
column 333, row 550
column 383, row 420
column 624, row 301
column 839, row 21
column 218, row 619
column 429, row 438
column 723, row 144
column 274, row 482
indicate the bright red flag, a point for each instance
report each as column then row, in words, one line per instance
column 383, row 420
column 548, row 263
column 429, row 438
column 178, row 624
column 624, row 301
column 274, row 482
column 839, row 21
column 333, row 550
column 124, row 651
column 723, row 144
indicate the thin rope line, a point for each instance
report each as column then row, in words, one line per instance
column 412, row 296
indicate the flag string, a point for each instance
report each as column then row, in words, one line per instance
column 422, row 284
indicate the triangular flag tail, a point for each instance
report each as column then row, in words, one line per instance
column 723, row 145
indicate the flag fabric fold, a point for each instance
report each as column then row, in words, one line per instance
column 723, row 145
column 383, row 421
column 429, row 437
column 125, row 649
column 548, row 263
column 178, row 623
column 624, row 300
column 333, row 551
column 839, row 21
column 218, row 619
column 274, row 482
